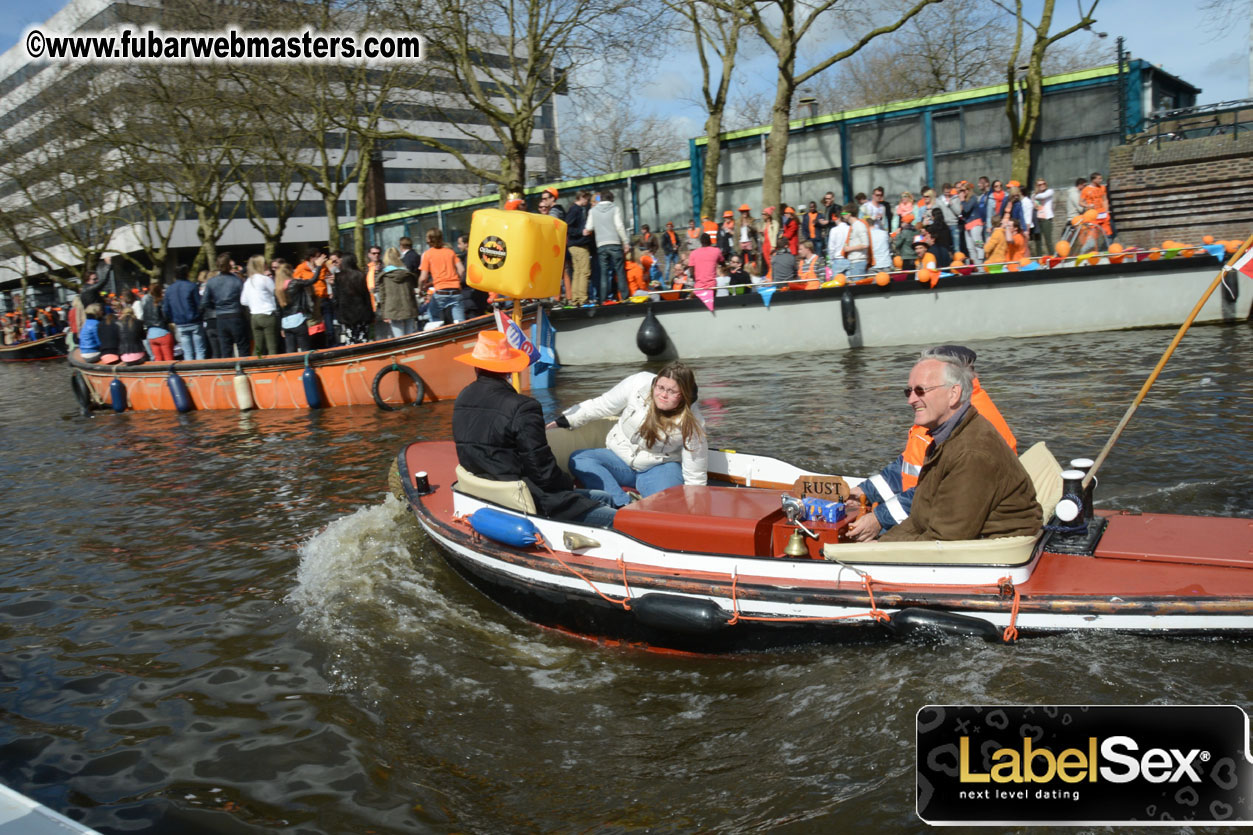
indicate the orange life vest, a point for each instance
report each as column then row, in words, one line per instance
column 980, row 400
column 808, row 275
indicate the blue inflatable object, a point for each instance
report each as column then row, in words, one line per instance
column 313, row 392
column 823, row 510
column 117, row 395
column 178, row 390
column 505, row 528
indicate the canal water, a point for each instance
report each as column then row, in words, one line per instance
column 220, row 622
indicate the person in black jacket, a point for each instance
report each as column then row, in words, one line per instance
column 500, row 436
column 353, row 300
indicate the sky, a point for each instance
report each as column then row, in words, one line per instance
column 1168, row 33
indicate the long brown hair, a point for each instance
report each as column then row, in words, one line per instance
column 657, row 424
column 281, row 276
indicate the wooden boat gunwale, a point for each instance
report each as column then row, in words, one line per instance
column 9, row 353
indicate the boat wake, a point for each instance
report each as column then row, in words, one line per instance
column 373, row 590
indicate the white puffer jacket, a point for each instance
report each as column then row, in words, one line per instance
column 628, row 401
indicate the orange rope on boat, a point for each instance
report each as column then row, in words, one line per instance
column 1011, row 632
column 625, row 602
column 875, row 612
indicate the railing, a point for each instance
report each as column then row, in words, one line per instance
column 1217, row 119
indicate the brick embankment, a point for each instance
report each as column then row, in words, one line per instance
column 1183, row 189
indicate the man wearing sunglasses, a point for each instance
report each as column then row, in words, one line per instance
column 974, row 489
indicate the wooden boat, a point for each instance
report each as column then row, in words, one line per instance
column 48, row 348
column 349, row 375
column 959, row 308
column 705, row 569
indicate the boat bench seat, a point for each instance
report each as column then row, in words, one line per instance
column 514, row 495
column 565, row 442
column 1046, row 476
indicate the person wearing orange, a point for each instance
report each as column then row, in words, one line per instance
column 1095, row 196
column 892, row 489
column 671, row 249
column 791, row 229
column 442, row 269
column 806, row 268
column 634, row 274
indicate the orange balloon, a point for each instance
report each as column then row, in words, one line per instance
column 898, row 261
column 1089, row 216
column 1022, row 262
column 1230, row 246
column 1155, row 256
column 840, row 279
column 1207, row 239
column 1169, row 245
column 924, row 274
column 1115, row 247
column 882, row 279
column 959, row 256
column 1063, row 248
column 1013, row 268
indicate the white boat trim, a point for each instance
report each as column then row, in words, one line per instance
column 19, row 815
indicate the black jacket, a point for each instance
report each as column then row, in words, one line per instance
column 576, row 219
column 500, row 435
column 353, row 298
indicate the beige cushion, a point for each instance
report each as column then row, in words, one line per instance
column 1007, row 550
column 565, row 442
column 1046, row 475
column 511, row 494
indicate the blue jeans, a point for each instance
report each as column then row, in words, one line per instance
column 601, row 469
column 441, row 302
column 612, row 263
column 192, row 339
column 600, row 516
column 667, row 275
column 838, row 265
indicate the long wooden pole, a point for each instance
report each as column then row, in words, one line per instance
column 1174, row 343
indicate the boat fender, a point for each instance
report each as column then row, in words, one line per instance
column 243, row 390
column 313, row 394
column 82, row 393
column 505, row 528
column 400, row 369
column 178, row 391
column 848, row 312
column 117, row 394
column 913, row 621
column 671, row 613
column 651, row 337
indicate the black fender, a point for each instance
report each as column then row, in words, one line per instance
column 848, row 312
column 672, row 613
column 651, row 337
column 82, row 393
column 913, row 621
column 402, row 369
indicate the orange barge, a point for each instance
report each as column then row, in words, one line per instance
column 388, row 373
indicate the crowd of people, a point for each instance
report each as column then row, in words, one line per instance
column 263, row 308
column 30, row 325
column 988, row 221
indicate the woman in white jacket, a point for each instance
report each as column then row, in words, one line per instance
column 659, row 439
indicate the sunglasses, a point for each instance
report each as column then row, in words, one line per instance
column 920, row 390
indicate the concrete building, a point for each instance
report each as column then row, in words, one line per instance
column 409, row 174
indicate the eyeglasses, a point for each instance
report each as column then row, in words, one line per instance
column 920, row 390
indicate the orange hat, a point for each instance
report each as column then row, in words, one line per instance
column 789, row 211
column 514, row 204
column 769, row 210
column 745, row 208
column 1014, row 184
column 728, row 213
column 552, row 191
column 493, row 353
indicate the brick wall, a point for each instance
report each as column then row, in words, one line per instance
column 1182, row 189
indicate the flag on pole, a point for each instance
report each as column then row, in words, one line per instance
column 767, row 293
column 1245, row 264
column 515, row 336
column 706, row 296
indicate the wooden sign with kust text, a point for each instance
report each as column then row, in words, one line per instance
column 830, row 487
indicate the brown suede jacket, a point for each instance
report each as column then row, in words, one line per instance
column 972, row 486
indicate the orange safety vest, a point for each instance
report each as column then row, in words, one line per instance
column 919, row 440
column 811, row 224
column 808, row 275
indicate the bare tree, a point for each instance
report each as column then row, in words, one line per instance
column 1025, row 73
column 1223, row 15
column 716, row 30
column 783, row 25
column 606, row 126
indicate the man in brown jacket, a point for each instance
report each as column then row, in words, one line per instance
column 972, row 486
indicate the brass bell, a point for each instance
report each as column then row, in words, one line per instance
column 796, row 545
